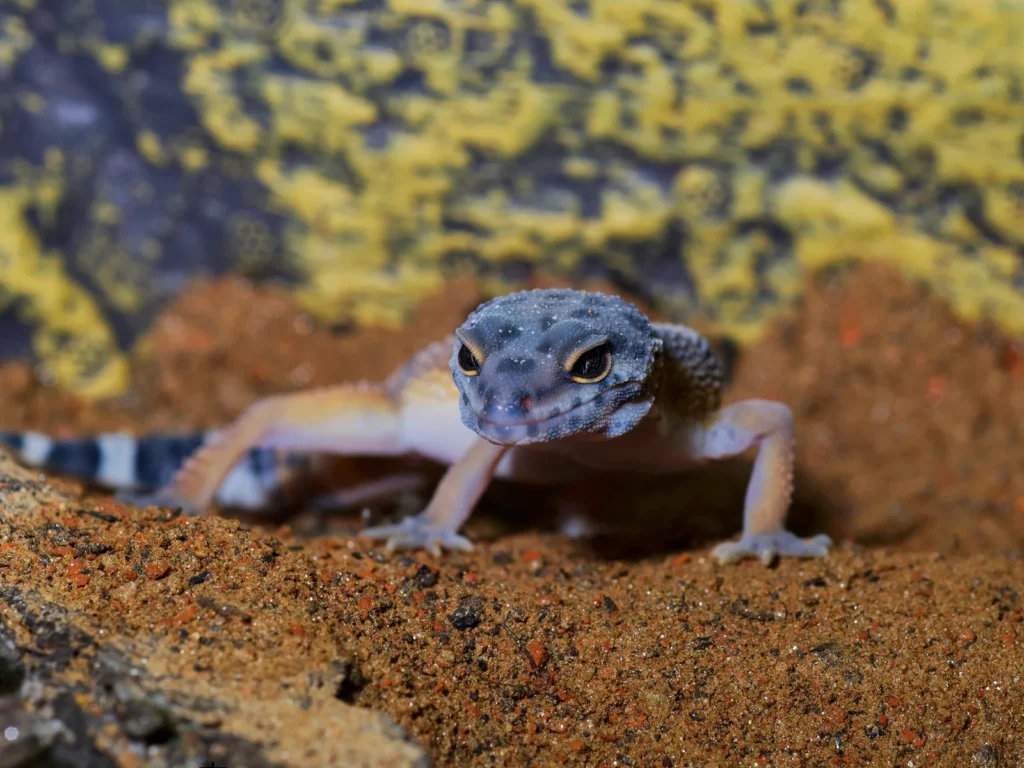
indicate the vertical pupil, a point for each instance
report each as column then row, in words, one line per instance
column 591, row 363
column 466, row 358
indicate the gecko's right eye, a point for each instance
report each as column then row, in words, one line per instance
column 591, row 365
column 468, row 363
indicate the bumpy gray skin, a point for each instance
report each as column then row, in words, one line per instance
column 524, row 395
column 657, row 409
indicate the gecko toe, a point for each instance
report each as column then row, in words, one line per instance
column 766, row 547
column 162, row 498
column 417, row 532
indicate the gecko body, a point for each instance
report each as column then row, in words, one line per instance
column 543, row 386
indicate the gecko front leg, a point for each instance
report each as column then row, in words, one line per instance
column 345, row 420
column 769, row 426
column 451, row 505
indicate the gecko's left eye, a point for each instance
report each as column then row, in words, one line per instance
column 593, row 365
column 468, row 363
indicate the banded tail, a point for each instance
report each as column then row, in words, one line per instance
column 146, row 464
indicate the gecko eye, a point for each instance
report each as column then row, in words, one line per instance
column 468, row 363
column 593, row 365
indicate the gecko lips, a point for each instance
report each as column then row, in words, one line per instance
column 515, row 424
column 518, row 431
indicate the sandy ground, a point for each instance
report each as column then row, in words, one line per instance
column 258, row 644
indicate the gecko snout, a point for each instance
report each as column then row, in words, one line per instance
column 511, row 408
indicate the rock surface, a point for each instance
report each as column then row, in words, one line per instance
column 121, row 647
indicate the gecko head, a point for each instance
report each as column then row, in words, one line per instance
column 549, row 364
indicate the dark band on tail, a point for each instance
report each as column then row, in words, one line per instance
column 80, row 457
column 149, row 463
column 158, row 457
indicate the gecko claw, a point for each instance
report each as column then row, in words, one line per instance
column 416, row 532
column 162, row 498
column 767, row 546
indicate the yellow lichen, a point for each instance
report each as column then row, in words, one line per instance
column 15, row 39
column 209, row 81
column 194, row 158
column 73, row 342
column 149, row 146
column 399, row 143
column 112, row 58
column 317, row 115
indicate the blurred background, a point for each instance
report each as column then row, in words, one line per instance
column 203, row 201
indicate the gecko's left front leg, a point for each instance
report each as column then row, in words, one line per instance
column 769, row 426
column 356, row 419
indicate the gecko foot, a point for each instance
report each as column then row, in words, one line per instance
column 157, row 499
column 767, row 546
column 417, row 532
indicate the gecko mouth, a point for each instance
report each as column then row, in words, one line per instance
column 523, row 432
column 535, row 421
column 543, row 428
column 526, row 422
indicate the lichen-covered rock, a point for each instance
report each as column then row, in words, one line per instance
column 704, row 154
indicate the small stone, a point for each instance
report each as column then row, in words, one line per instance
column 469, row 613
column 538, row 652
column 425, row 578
column 157, row 570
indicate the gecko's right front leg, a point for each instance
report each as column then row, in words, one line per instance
column 345, row 420
column 451, row 505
